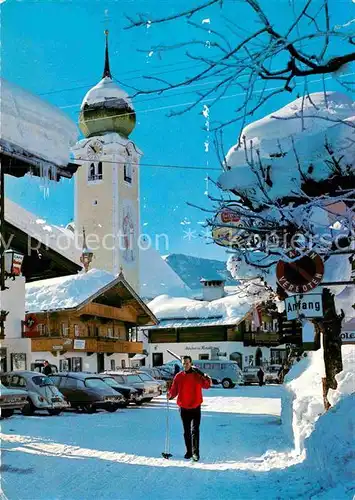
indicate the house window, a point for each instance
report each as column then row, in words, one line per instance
column 123, row 363
column 76, row 331
column 110, row 332
column 277, row 356
column 64, row 329
column 42, row 329
column 112, row 364
column 18, row 361
column 95, row 172
column 64, row 365
column 203, row 356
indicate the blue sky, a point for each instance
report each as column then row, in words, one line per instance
column 55, row 49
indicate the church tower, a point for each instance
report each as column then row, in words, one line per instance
column 107, row 183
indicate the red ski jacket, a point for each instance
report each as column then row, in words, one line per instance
column 187, row 386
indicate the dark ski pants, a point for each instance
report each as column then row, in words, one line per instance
column 191, row 421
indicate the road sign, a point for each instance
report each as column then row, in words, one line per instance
column 300, row 276
column 308, row 306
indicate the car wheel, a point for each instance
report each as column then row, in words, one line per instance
column 88, row 408
column 138, row 403
column 227, row 383
column 54, row 412
column 28, row 409
column 112, row 408
column 148, row 399
column 6, row 413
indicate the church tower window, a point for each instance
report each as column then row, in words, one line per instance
column 95, row 172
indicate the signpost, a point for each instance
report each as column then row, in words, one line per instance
column 300, row 276
column 308, row 306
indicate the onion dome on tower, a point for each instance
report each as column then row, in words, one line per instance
column 106, row 108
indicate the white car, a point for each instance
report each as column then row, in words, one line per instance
column 272, row 374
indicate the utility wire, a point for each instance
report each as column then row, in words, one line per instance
column 183, row 167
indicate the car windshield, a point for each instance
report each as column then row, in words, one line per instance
column 111, row 382
column 146, row 377
column 95, row 383
column 42, row 380
column 133, row 378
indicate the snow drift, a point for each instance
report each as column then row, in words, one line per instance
column 302, row 402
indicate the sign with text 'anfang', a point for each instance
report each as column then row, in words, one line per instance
column 308, row 306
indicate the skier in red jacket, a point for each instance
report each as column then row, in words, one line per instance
column 187, row 386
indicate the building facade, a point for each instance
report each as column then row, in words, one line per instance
column 107, row 184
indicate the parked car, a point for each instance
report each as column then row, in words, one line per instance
column 42, row 394
column 165, row 373
column 250, row 375
column 11, row 400
column 154, row 374
column 151, row 389
column 87, row 391
column 130, row 394
column 221, row 371
column 272, row 374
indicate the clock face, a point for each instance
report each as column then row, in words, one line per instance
column 94, row 150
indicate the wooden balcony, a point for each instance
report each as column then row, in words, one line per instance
column 261, row 338
column 63, row 344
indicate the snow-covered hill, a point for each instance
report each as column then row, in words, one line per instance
column 192, row 269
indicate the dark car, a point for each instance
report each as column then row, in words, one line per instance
column 148, row 389
column 11, row 400
column 87, row 391
column 130, row 394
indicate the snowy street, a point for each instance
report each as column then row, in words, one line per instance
column 118, row 456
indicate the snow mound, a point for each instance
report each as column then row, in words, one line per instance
column 302, row 402
column 331, row 446
column 106, row 92
column 66, row 292
column 304, row 126
column 35, row 125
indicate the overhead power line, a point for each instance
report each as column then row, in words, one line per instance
column 183, row 167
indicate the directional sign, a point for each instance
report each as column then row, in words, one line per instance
column 300, row 276
column 308, row 306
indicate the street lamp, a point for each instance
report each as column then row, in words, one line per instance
column 87, row 254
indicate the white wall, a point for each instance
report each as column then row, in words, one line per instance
column 194, row 349
column 13, row 300
column 89, row 363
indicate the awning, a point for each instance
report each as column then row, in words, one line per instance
column 138, row 357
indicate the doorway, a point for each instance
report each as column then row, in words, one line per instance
column 258, row 357
column 100, row 362
column 157, row 359
column 3, row 359
column 236, row 356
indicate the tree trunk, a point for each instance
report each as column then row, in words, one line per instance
column 330, row 326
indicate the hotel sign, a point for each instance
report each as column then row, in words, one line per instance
column 308, row 306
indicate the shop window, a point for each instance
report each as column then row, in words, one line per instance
column 64, row 365
column 76, row 364
column 18, row 361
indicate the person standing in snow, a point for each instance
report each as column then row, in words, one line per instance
column 47, row 369
column 187, row 386
column 260, row 376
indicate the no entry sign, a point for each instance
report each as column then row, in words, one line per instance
column 300, row 276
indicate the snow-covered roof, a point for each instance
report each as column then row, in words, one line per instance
column 308, row 124
column 34, row 125
column 60, row 240
column 106, row 92
column 179, row 312
column 157, row 277
column 66, row 292
column 74, row 291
